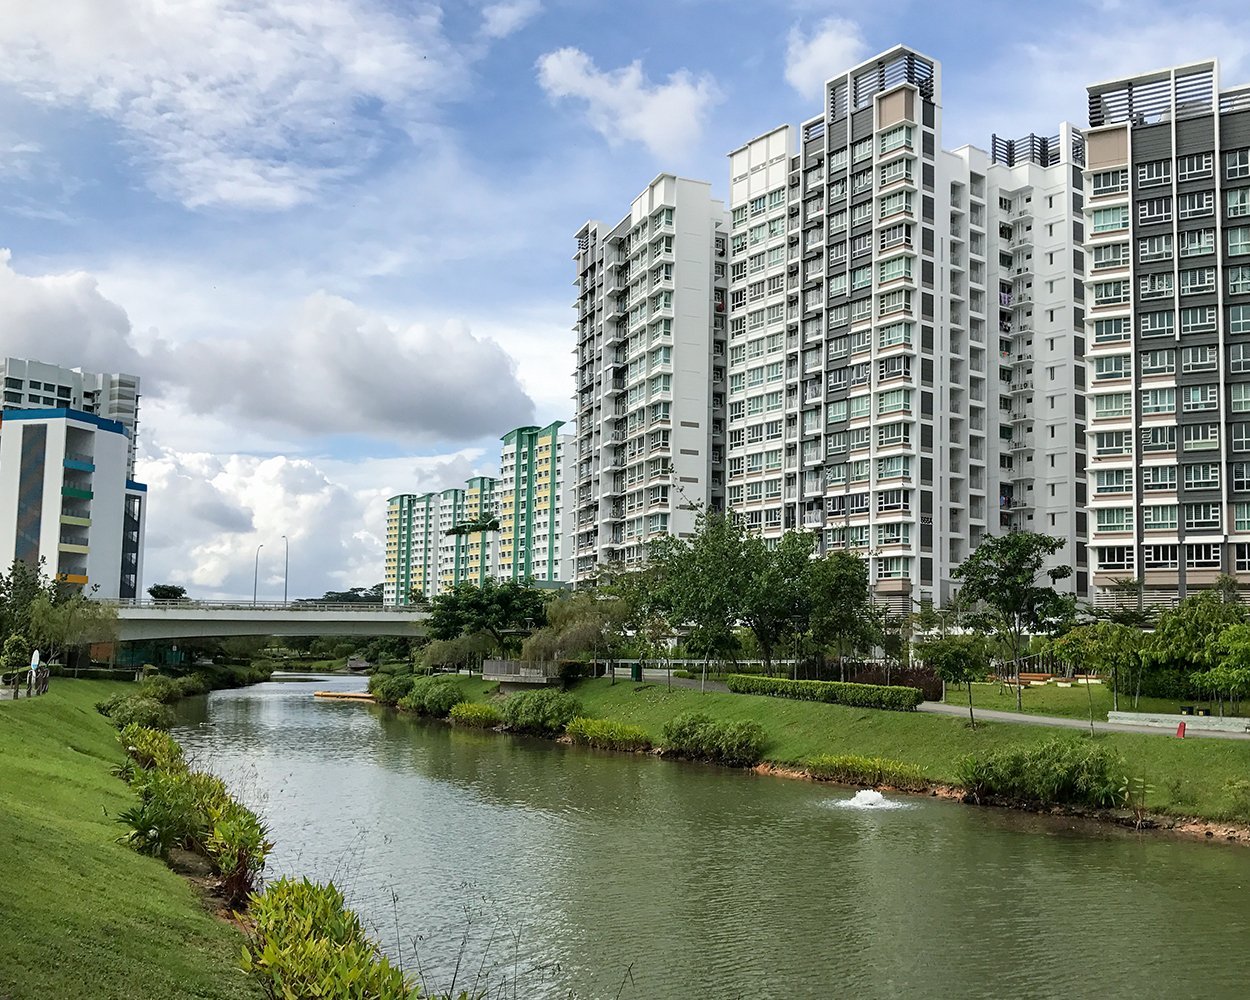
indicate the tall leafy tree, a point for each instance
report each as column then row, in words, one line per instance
column 167, row 592
column 70, row 623
column 958, row 660
column 1185, row 639
column 504, row 611
column 1007, row 581
column 840, row 613
column 1108, row 648
column 774, row 599
column 20, row 587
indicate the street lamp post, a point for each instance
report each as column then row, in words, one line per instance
column 256, row 572
column 286, row 566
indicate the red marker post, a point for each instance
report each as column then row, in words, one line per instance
column 1180, row 731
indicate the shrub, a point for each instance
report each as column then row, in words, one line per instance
column 1061, row 771
column 146, row 712
column 870, row 771
column 435, row 696
column 390, row 689
column 151, row 748
column 166, row 815
column 166, row 690
column 237, row 844
column 735, row 744
column 607, row 735
column 898, row 699
column 476, row 715
column 542, row 713
column 307, row 943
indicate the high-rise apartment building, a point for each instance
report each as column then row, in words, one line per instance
column 411, row 548
column 66, row 499
column 37, row 385
column 535, row 474
column 1168, row 203
column 649, row 375
column 891, row 308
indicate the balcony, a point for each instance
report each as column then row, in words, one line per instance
column 74, row 493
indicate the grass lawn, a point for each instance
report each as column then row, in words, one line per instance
column 83, row 915
column 1193, row 777
column 1071, row 703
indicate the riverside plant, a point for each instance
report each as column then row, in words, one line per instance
column 1061, row 771
column 475, row 715
column 607, row 735
column 699, row 737
column 868, row 771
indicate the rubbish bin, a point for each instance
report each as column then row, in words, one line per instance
column 635, row 671
column 1204, row 712
column 1187, row 710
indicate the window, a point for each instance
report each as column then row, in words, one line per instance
column 1119, row 557
column 1241, row 517
column 1196, row 205
column 896, row 171
column 861, row 277
column 1155, row 248
column 1195, row 166
column 893, row 401
column 1152, row 286
column 1197, row 242
column 1155, row 173
column 1115, row 366
column 1160, row 557
column 861, row 213
column 1237, row 164
column 860, row 406
column 1112, row 443
column 894, row 333
column 1119, row 404
column 1239, row 397
column 893, row 500
column 1240, row 433
column 1110, row 255
column 1200, row 437
column 1239, row 319
column 896, row 138
column 1154, row 210
column 896, row 534
column 891, row 270
column 1239, row 359
column 1155, row 401
column 1198, row 320
column 1197, row 280
column 1108, row 220
column 862, row 150
column 1237, row 202
column 1198, row 359
column 893, row 567
column 1112, row 481
column 1239, row 279
column 1203, row 476
column 900, row 201
column 1158, row 479
column 894, row 467
column 1202, row 517
column 1161, row 362
column 1109, row 293
column 1160, row 517
column 1115, row 518
column 892, row 302
column 1109, row 182
column 1157, row 324
column 1199, row 397
column 1110, row 331
column 1238, row 241
column 889, row 435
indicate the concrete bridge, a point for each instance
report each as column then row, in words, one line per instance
column 145, row 620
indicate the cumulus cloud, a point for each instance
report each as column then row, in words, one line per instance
column 248, row 103
column 623, row 104
column 500, row 20
column 813, row 56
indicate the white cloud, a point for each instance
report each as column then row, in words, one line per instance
column 623, row 104
column 812, row 57
column 249, row 103
column 500, row 20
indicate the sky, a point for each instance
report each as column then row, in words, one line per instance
column 334, row 237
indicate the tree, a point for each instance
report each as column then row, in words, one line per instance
column 356, row 595
column 1186, row 638
column 167, row 592
column 840, row 613
column 957, row 659
column 580, row 623
column 502, row 610
column 20, row 587
column 1104, row 647
column 71, row 622
column 1007, row 579
column 774, row 598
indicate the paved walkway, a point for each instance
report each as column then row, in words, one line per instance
column 1021, row 718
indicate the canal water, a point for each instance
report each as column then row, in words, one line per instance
column 591, row 874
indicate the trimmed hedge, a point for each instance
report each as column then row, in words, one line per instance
column 871, row 771
column 892, row 698
column 541, row 713
column 476, row 715
column 1062, row 770
column 699, row 737
column 607, row 735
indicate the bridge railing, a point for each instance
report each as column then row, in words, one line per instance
column 303, row 606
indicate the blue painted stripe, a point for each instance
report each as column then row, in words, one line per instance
column 65, row 413
column 78, row 466
column 136, row 487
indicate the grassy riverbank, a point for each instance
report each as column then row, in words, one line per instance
column 1070, row 703
column 84, row 915
column 1193, row 777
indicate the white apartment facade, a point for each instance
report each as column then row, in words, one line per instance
column 649, row 376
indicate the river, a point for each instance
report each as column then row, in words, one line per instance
column 594, row 874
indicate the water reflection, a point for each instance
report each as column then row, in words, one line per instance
column 707, row 882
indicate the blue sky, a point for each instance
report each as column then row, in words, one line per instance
column 333, row 236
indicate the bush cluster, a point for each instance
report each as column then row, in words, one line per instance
column 476, row 715
column 607, row 735
column 1061, row 771
column 699, row 737
column 148, row 703
column 541, row 713
column 390, row 689
column 179, row 807
column 898, row 699
column 135, row 709
column 434, row 696
column 307, row 943
column 870, row 771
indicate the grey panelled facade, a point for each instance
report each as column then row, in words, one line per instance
column 1168, row 184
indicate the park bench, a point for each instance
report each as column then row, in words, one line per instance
column 1035, row 678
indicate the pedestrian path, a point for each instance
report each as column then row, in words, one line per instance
column 1021, row 718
